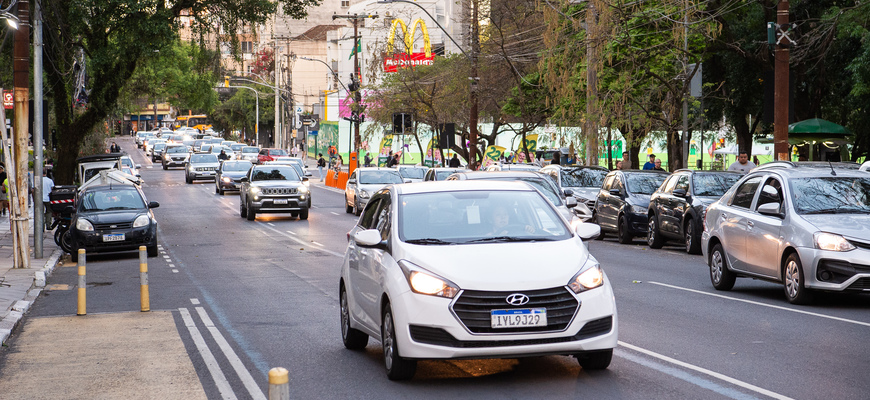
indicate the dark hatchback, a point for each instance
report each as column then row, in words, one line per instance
column 622, row 203
column 113, row 218
column 676, row 209
column 229, row 176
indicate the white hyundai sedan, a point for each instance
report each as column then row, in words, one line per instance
column 473, row 269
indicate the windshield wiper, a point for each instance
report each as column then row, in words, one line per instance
column 840, row 210
column 427, row 241
column 505, row 239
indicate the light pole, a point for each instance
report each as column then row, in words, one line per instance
column 257, row 112
column 277, row 104
column 475, row 48
column 335, row 79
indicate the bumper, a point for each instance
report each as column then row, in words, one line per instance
column 835, row 270
column 270, row 204
column 637, row 223
column 231, row 185
column 174, row 163
column 195, row 175
column 93, row 242
column 427, row 329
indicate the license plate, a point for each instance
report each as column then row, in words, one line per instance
column 113, row 237
column 280, row 201
column 518, row 318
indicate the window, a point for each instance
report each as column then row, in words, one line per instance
column 247, row 47
column 345, row 3
column 683, row 183
column 382, row 223
column 369, row 213
column 669, row 185
column 745, row 193
column 607, row 182
column 617, row 184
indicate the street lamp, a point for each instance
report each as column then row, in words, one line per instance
column 11, row 20
column 335, row 77
column 277, row 104
column 257, row 112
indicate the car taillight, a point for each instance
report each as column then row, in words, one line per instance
column 704, row 218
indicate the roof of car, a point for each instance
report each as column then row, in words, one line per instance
column 117, row 186
column 557, row 166
column 412, row 166
column 447, row 186
column 641, row 171
column 495, row 174
column 706, row 171
column 808, row 164
column 363, row 169
column 810, row 172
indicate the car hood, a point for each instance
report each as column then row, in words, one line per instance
column 640, row 200
column 277, row 184
column 109, row 217
column 234, row 174
column 848, row 225
column 200, row 165
column 502, row 266
column 587, row 193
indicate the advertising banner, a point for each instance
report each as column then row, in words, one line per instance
column 384, row 150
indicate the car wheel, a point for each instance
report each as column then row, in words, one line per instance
column 398, row 368
column 595, row 221
column 623, row 234
column 348, row 209
column 653, row 237
column 252, row 215
column 356, row 209
column 165, row 167
column 66, row 243
column 187, row 179
column 793, row 281
column 74, row 256
column 353, row 339
column 693, row 240
column 217, row 189
column 721, row 277
column 152, row 250
column 243, row 212
column 595, row 360
column 303, row 214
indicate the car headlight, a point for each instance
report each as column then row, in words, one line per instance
column 588, row 278
column 84, row 225
column 639, row 210
column 142, row 220
column 255, row 190
column 226, row 179
column 425, row 282
column 363, row 194
column 303, row 189
column 830, row 241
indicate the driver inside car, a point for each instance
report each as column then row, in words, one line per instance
column 501, row 222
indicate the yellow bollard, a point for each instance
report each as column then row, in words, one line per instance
column 83, row 301
column 279, row 384
column 143, row 279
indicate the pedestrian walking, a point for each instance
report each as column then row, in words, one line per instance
column 47, row 184
column 4, row 198
column 321, row 163
column 742, row 165
column 114, row 148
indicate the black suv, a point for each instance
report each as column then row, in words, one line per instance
column 621, row 206
column 676, row 209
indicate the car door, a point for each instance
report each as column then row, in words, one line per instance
column 615, row 202
column 602, row 214
column 677, row 205
column 733, row 223
column 359, row 260
column 373, row 262
column 764, row 232
column 660, row 204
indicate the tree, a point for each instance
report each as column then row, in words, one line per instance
column 264, row 62
column 108, row 40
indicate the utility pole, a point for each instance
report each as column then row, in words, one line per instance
column 685, row 138
column 591, row 127
column 38, row 123
column 21, row 94
column 780, row 97
column 472, row 112
column 357, row 96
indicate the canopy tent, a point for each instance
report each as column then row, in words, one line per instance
column 816, row 130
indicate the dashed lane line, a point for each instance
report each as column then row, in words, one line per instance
column 211, row 363
column 232, row 357
column 194, row 301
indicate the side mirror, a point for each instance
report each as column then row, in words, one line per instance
column 587, row 231
column 351, row 181
column 568, row 192
column 407, row 181
column 680, row 193
column 305, row 178
column 138, row 166
column 153, row 204
column 770, row 209
column 138, row 175
column 308, row 174
column 368, row 238
column 243, row 179
column 570, row 202
column 615, row 192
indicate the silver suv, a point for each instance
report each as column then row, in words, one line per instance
column 201, row 166
column 807, row 228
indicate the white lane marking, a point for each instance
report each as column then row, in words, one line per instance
column 171, row 265
column 705, row 371
column 149, row 166
column 851, row 321
column 174, row 271
column 291, row 232
column 160, row 246
column 270, row 224
column 316, row 244
column 234, row 359
column 211, row 363
column 339, row 255
column 194, row 301
column 333, row 213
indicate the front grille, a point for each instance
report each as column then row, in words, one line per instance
column 117, row 225
column 274, row 191
column 205, row 169
column 178, row 158
column 440, row 337
column 473, row 307
column 860, row 284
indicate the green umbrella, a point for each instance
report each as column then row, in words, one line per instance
column 817, row 130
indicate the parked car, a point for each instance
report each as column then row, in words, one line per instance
column 572, row 211
column 126, row 161
column 513, row 167
column 249, row 153
column 229, row 176
column 623, row 202
column 806, row 228
column 413, row 173
column 273, row 189
column 113, row 218
column 809, row 164
column 440, row 174
column 271, row 155
column 584, row 181
column 677, row 207
column 363, row 183
column 483, row 269
column 175, row 156
column 201, row 166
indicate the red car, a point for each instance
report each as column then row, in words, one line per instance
column 271, row 155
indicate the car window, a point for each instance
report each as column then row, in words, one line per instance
column 745, row 193
column 107, row 200
column 617, row 184
column 382, row 218
column 203, row 158
column 127, row 162
column 236, row 165
column 277, row 152
column 412, row 173
column 644, row 183
column 713, row 184
column 668, row 187
column 275, row 173
column 177, row 149
column 368, row 215
column 771, row 192
column 608, row 182
column 831, row 195
column 683, row 183
column 582, row 177
column 379, row 177
column 249, row 150
column 442, row 175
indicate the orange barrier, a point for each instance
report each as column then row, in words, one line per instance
column 338, row 181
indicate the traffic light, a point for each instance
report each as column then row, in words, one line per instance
column 226, row 81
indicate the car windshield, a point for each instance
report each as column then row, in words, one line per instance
column 236, row 165
column 379, row 177
column 159, row 146
column 275, row 173
column 442, row 175
column 298, row 168
column 250, row 150
column 644, row 183
column 412, row 173
column 114, row 199
column 277, row 152
column 464, row 217
column 713, row 184
column 540, row 183
column 177, row 149
column 203, row 158
column 831, row 195
column 217, row 149
column 237, row 146
column 583, row 177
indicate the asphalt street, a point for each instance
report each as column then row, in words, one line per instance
column 264, row 294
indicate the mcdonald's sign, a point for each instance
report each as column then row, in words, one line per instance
column 392, row 61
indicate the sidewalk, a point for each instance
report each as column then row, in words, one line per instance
column 20, row 287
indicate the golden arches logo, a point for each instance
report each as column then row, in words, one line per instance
column 409, row 36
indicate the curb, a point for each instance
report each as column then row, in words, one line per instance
column 20, row 307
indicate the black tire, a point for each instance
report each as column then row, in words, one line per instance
column 356, row 209
column 693, row 239
column 721, row 277
column 66, row 243
column 398, row 368
column 303, row 214
column 243, row 212
column 623, row 234
column 74, row 256
column 348, row 209
column 187, row 179
column 165, row 167
column 353, row 339
column 793, row 281
column 252, row 214
column 595, row 221
column 58, row 233
column 653, row 237
column 152, row 250
column 595, row 360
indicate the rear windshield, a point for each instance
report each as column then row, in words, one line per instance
column 379, row 177
column 412, row 173
column 250, row 150
column 236, row 165
column 277, row 152
column 583, row 177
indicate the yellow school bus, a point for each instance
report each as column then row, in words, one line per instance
column 199, row 122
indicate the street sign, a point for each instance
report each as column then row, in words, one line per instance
column 8, row 101
column 298, row 109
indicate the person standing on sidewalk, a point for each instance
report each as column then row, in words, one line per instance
column 47, row 184
column 321, row 163
column 4, row 198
